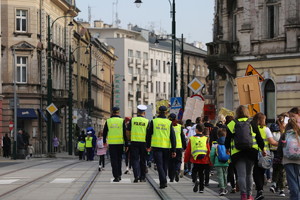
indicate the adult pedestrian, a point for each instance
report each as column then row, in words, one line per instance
column 114, row 135
column 289, row 147
column 20, row 144
column 242, row 142
column 137, row 130
column 55, row 142
column 175, row 162
column 6, row 146
column 161, row 137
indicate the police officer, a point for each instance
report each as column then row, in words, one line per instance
column 175, row 163
column 115, row 133
column 89, row 146
column 161, row 137
column 137, row 129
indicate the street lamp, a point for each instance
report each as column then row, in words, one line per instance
column 49, row 80
column 70, row 116
column 173, row 64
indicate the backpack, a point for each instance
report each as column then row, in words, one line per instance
column 100, row 144
column 291, row 149
column 223, row 157
column 243, row 135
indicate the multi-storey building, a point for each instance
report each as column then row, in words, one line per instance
column 1, row 97
column 24, row 43
column 266, row 35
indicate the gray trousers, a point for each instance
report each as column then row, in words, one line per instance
column 244, row 168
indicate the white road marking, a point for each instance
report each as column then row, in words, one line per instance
column 8, row 181
column 63, row 180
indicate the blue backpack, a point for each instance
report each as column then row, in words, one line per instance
column 223, row 157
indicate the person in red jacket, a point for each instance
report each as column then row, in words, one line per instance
column 197, row 152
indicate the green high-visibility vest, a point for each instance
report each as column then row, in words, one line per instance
column 231, row 128
column 264, row 136
column 139, row 129
column 177, row 130
column 198, row 146
column 115, row 130
column 88, row 142
column 81, row 146
column 161, row 133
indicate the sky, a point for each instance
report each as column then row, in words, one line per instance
column 194, row 18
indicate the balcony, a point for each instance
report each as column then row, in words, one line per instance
column 130, row 61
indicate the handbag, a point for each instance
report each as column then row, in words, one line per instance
column 265, row 161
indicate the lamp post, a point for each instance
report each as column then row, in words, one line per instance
column 49, row 80
column 70, row 99
column 173, row 64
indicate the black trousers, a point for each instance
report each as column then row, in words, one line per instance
column 102, row 160
column 174, row 164
column 116, row 151
column 161, row 158
column 198, row 172
column 258, row 176
column 89, row 154
column 232, row 175
column 138, row 159
column 80, row 153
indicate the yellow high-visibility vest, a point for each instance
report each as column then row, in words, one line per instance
column 177, row 130
column 161, row 133
column 88, row 142
column 198, row 146
column 139, row 129
column 264, row 136
column 81, row 146
column 231, row 128
column 115, row 130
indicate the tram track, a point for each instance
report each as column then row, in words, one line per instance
column 35, row 179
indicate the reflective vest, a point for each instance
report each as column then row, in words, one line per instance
column 88, row 142
column 177, row 130
column 161, row 133
column 198, row 146
column 139, row 129
column 81, row 146
column 115, row 130
column 264, row 136
column 231, row 128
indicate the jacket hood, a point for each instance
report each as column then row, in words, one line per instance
column 221, row 140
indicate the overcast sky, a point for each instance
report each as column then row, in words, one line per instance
column 194, row 18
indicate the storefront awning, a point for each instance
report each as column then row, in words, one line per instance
column 55, row 118
column 26, row 113
column 42, row 114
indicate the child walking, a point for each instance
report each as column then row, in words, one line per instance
column 81, row 148
column 197, row 152
column 30, row 150
column 219, row 159
column 101, row 151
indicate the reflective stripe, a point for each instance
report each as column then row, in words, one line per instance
column 115, row 130
column 161, row 133
column 139, row 129
column 177, row 130
column 264, row 136
column 198, row 146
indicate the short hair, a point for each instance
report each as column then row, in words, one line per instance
column 188, row 122
column 198, row 120
column 200, row 127
column 228, row 119
column 205, row 118
column 221, row 132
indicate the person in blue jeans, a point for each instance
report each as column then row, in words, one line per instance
column 292, row 165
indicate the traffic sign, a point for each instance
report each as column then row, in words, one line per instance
column 51, row 109
column 251, row 71
column 195, row 85
column 176, row 102
column 11, row 125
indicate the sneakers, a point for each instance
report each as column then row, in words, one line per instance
column 190, row 173
column 136, row 180
column 195, row 188
column 99, row 168
column 259, row 195
column 233, row 190
column 273, row 189
column 281, row 193
column 250, row 197
column 116, row 180
column 201, row 191
column 223, row 192
column 244, row 196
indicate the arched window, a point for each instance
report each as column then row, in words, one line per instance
column 228, row 96
column 269, row 101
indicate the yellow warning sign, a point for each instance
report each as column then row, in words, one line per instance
column 251, row 71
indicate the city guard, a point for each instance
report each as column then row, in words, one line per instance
column 137, row 129
column 114, row 133
column 161, row 137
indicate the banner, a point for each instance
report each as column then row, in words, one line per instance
column 193, row 109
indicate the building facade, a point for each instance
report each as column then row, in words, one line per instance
column 264, row 34
column 24, row 43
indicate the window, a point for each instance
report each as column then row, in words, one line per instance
column 273, row 20
column 164, row 66
column 21, row 69
column 130, row 70
column 130, row 88
column 164, row 87
column 130, row 53
column 138, row 54
column 145, row 56
column 21, row 20
column 151, row 64
column 269, row 99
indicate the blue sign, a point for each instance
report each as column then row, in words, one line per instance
column 176, row 102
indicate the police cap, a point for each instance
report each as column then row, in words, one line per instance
column 162, row 108
column 172, row 116
column 115, row 109
column 142, row 108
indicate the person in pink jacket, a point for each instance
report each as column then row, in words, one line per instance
column 101, row 151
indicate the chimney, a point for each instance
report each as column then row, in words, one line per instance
column 98, row 24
